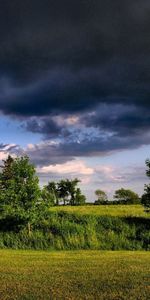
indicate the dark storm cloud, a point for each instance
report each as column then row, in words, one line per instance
column 72, row 57
column 44, row 126
column 108, row 128
column 124, row 120
column 100, row 51
column 46, row 153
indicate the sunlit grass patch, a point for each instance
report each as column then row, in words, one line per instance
column 105, row 210
column 74, row 275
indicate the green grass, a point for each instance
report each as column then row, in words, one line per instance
column 87, row 227
column 28, row 275
column 105, row 210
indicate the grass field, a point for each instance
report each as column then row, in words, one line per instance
column 28, row 275
column 105, row 210
column 114, row 227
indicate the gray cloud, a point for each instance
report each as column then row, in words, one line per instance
column 69, row 56
column 62, row 58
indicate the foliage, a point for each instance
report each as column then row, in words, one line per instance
column 48, row 197
column 61, row 229
column 51, row 188
column 127, row 196
column 20, row 191
column 66, row 191
column 63, row 190
column 146, row 197
column 102, row 197
column 80, row 199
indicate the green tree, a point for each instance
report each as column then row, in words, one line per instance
column 101, row 195
column 126, row 196
column 63, row 190
column 67, row 190
column 6, row 174
column 48, row 197
column 53, row 190
column 80, row 199
column 146, row 197
column 72, row 189
column 20, row 190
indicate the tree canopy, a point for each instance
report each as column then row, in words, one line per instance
column 19, row 189
column 127, row 196
column 101, row 195
column 146, row 197
column 65, row 191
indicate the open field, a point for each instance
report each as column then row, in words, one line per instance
column 26, row 275
column 105, row 210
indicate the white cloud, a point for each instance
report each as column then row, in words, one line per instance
column 73, row 167
column 5, row 151
column 110, row 173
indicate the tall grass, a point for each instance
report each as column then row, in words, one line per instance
column 65, row 230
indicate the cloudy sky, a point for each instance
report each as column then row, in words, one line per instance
column 75, row 89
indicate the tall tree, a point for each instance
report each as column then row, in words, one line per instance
column 48, row 198
column 63, row 190
column 146, row 197
column 72, row 187
column 20, row 190
column 101, row 197
column 126, row 196
column 53, row 190
column 6, row 174
column 80, row 199
column 68, row 191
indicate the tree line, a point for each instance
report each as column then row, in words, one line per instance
column 22, row 197
column 121, row 196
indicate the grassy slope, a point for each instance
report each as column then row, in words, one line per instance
column 74, row 275
column 105, row 210
column 117, row 227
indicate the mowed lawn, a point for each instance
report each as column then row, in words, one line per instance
column 105, row 210
column 74, row 275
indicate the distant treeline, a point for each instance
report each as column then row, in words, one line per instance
column 19, row 184
column 22, row 197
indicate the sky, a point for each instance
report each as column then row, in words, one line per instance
column 75, row 90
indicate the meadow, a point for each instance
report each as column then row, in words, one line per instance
column 104, row 210
column 83, row 270
column 114, row 227
column 30, row 275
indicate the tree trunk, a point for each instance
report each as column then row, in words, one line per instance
column 57, row 203
column 72, row 199
column 29, row 229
